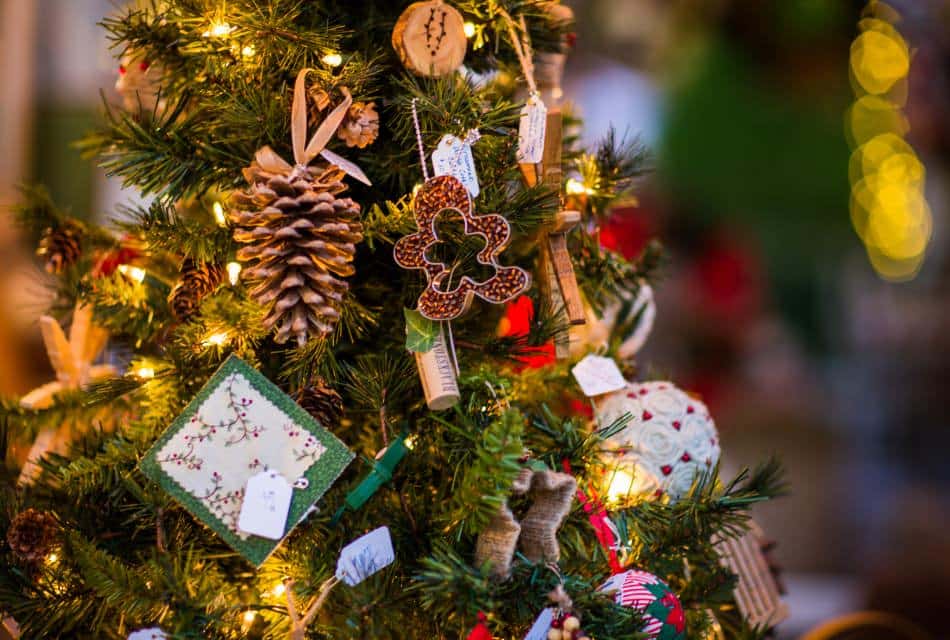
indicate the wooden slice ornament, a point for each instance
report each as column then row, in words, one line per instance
column 429, row 38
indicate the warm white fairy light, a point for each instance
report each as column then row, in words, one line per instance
column 410, row 442
column 248, row 51
column 135, row 273
column 469, row 28
column 218, row 209
column 249, row 616
column 333, row 59
column 52, row 558
column 218, row 30
column 145, row 372
column 576, row 188
column 621, row 482
column 216, row 339
column 234, row 273
column 278, row 590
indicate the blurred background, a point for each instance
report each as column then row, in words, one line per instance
column 801, row 189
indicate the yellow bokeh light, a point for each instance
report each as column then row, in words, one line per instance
column 872, row 116
column 878, row 60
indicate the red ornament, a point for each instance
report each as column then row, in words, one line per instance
column 519, row 314
column 480, row 631
column 122, row 69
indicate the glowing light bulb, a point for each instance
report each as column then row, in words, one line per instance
column 135, row 273
column 234, row 273
column 621, row 482
column 332, row 59
column 576, row 187
column 145, row 372
column 218, row 209
column 278, row 590
column 248, row 51
column 216, row 339
column 469, row 28
column 218, row 30
column 410, row 442
column 249, row 616
column 52, row 558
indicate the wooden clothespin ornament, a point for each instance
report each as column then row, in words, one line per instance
column 72, row 361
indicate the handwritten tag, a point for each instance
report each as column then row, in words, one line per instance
column 365, row 556
column 148, row 634
column 454, row 157
column 539, row 630
column 598, row 375
column 349, row 168
column 531, row 128
column 266, row 505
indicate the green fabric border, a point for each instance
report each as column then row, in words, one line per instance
column 321, row 474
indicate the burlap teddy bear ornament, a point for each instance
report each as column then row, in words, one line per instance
column 551, row 495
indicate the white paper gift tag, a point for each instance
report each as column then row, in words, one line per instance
column 148, row 634
column 539, row 630
column 365, row 556
column 598, row 375
column 266, row 505
column 454, row 157
column 534, row 120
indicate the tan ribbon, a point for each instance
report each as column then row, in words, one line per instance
column 305, row 152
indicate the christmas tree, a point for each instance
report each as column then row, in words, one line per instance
column 366, row 297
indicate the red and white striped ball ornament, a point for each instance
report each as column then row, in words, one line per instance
column 661, row 609
column 669, row 440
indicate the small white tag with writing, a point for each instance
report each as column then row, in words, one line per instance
column 148, row 634
column 534, row 120
column 266, row 505
column 365, row 556
column 539, row 630
column 598, row 375
column 454, row 157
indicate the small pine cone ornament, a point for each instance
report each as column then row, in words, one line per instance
column 361, row 125
column 32, row 534
column 300, row 235
column 322, row 402
column 61, row 247
column 196, row 281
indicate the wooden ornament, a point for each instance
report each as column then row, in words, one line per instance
column 448, row 193
column 72, row 360
column 757, row 592
column 437, row 374
column 429, row 38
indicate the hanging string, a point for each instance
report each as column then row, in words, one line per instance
column 422, row 151
column 522, row 47
column 298, row 625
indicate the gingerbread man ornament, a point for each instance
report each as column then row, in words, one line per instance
column 436, row 303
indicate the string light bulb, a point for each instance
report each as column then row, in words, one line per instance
column 52, row 558
column 249, row 616
column 411, row 442
column 218, row 29
column 278, row 590
column 234, row 273
column 136, row 273
column 621, row 482
column 216, row 339
column 576, row 188
column 332, row 59
column 218, row 209
column 248, row 51
column 469, row 28
column 145, row 372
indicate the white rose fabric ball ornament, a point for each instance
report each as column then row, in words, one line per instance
column 669, row 440
column 661, row 609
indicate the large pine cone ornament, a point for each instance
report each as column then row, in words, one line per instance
column 197, row 280
column 322, row 402
column 61, row 247
column 300, row 236
column 32, row 534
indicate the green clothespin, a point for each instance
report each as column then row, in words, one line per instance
column 380, row 473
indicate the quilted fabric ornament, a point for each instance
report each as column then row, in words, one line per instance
column 239, row 427
column 669, row 440
column 651, row 596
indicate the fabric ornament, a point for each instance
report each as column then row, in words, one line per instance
column 669, row 440
column 72, row 360
column 649, row 595
column 551, row 495
column 300, row 234
column 239, row 427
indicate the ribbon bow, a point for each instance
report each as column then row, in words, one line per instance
column 305, row 152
